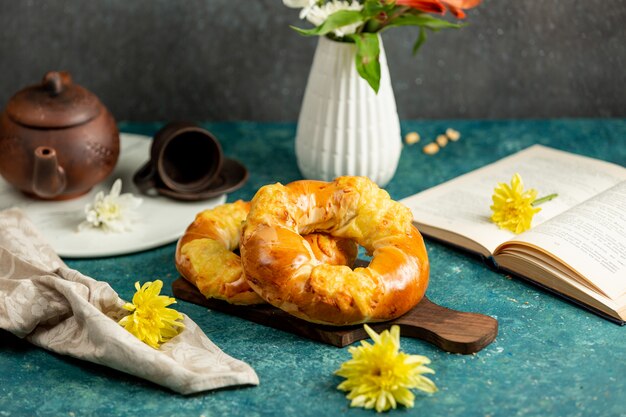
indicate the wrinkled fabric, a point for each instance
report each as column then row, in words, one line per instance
column 62, row 310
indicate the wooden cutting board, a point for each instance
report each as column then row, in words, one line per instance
column 450, row 330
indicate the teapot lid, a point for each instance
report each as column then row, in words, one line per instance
column 54, row 103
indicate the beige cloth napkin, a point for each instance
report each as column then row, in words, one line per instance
column 59, row 309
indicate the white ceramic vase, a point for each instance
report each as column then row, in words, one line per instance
column 344, row 127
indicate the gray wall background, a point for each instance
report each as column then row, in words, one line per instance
column 238, row 59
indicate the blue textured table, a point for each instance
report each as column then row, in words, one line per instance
column 550, row 357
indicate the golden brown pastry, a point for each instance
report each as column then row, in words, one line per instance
column 205, row 257
column 282, row 269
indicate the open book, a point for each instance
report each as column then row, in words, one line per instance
column 577, row 244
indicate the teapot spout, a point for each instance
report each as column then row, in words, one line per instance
column 48, row 177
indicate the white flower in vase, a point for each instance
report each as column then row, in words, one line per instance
column 318, row 15
column 113, row 212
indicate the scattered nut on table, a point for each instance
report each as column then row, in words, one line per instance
column 452, row 134
column 442, row 140
column 411, row 138
column 431, row 149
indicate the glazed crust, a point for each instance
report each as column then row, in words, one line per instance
column 282, row 270
column 205, row 257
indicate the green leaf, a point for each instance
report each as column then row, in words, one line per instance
column 334, row 21
column 422, row 20
column 371, row 8
column 367, row 62
column 420, row 40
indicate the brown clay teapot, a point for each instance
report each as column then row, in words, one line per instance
column 57, row 140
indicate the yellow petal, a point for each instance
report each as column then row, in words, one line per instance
column 381, row 403
column 372, row 334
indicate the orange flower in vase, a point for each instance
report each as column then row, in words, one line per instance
column 456, row 7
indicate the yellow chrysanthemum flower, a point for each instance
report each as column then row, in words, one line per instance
column 380, row 376
column 151, row 321
column 512, row 206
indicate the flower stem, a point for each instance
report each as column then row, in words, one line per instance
column 544, row 199
column 398, row 12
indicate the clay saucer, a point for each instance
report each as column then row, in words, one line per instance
column 232, row 176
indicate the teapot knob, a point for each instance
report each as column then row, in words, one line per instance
column 55, row 81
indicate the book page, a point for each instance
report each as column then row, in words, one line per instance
column 462, row 205
column 590, row 238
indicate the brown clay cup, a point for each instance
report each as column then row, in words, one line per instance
column 184, row 158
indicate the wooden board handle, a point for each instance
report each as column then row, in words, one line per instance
column 451, row 330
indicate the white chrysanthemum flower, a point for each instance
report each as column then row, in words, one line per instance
column 112, row 212
column 318, row 15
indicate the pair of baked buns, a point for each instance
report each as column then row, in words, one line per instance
column 298, row 243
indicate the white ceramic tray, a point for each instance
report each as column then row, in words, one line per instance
column 162, row 220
